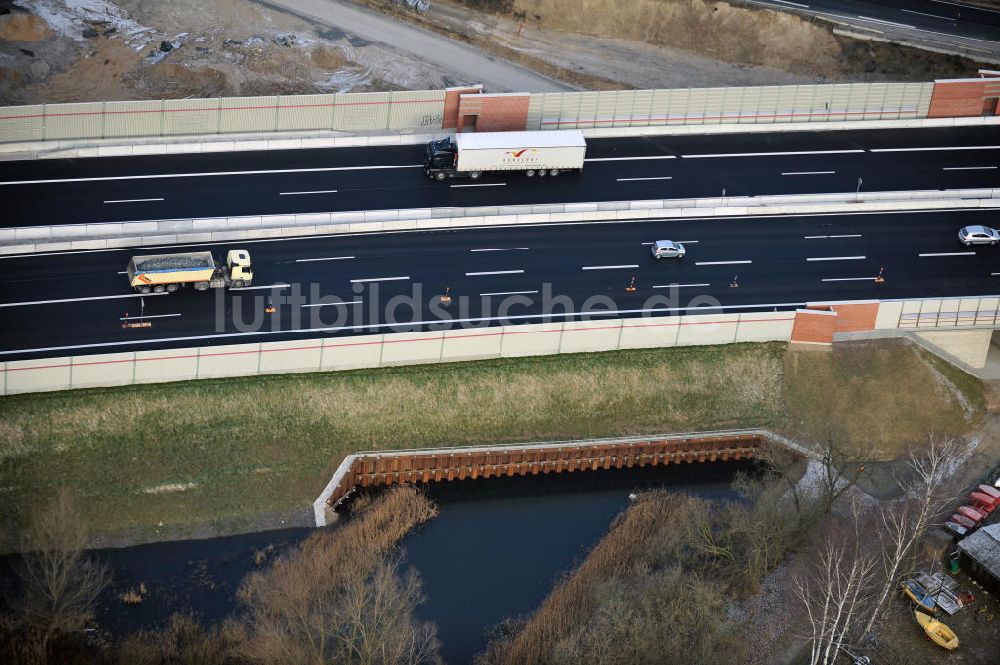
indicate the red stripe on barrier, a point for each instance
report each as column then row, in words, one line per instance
column 721, row 117
column 223, row 108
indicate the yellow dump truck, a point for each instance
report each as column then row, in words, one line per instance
column 161, row 273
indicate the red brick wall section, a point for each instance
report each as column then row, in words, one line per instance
column 503, row 113
column 855, row 317
column 451, row 100
column 957, row 99
column 814, row 326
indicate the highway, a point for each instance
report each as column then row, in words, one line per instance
column 935, row 23
column 75, row 191
column 75, row 303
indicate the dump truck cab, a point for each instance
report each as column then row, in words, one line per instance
column 239, row 268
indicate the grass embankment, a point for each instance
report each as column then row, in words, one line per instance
column 216, row 452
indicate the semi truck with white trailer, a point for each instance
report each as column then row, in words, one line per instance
column 159, row 273
column 544, row 153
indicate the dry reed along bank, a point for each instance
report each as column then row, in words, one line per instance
column 167, row 460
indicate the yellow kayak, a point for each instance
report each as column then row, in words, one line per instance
column 940, row 634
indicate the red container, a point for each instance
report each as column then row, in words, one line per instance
column 990, row 491
column 963, row 520
column 972, row 514
column 982, row 502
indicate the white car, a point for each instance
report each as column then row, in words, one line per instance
column 668, row 249
column 978, row 235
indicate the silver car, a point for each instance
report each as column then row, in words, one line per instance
column 978, row 235
column 668, row 249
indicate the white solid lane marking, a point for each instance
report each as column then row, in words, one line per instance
column 662, row 177
column 808, row 172
column 849, row 279
column 994, row 274
column 849, row 235
column 968, row 168
column 379, row 279
column 677, row 286
column 774, row 154
column 892, row 23
column 206, row 174
column 50, row 302
column 941, row 148
column 279, row 285
column 508, row 293
column 608, row 267
column 149, row 316
column 319, row 191
column 494, row 272
column 836, row 258
column 131, row 200
column 483, row 184
column 910, row 11
column 947, row 254
column 721, row 263
column 369, row 326
column 342, row 303
column 792, row 4
column 499, row 249
column 629, row 159
column 325, row 258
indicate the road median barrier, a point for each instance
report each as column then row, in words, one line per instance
column 145, row 233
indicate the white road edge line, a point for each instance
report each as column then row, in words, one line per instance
column 808, row 172
column 148, row 316
column 508, row 293
column 629, row 159
column 608, row 267
column 483, row 184
column 206, row 174
column 940, row 148
column 494, row 272
column 335, row 304
column 372, row 326
column 836, row 258
column 721, row 263
column 319, row 191
column 325, row 258
column 50, row 302
column 379, row 279
column 793, row 4
column 663, row 177
column 131, row 200
column 968, row 168
column 947, row 254
column 892, row 23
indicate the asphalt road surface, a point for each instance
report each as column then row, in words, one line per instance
column 74, row 191
column 75, row 303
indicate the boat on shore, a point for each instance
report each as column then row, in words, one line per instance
column 916, row 593
column 937, row 632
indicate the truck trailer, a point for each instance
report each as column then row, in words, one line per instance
column 161, row 273
column 532, row 153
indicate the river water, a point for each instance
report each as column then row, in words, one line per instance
column 494, row 551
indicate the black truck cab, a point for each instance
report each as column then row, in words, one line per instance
column 440, row 158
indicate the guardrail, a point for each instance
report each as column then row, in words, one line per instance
column 114, row 235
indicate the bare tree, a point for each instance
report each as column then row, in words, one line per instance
column 902, row 526
column 59, row 583
column 183, row 641
column 834, row 589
